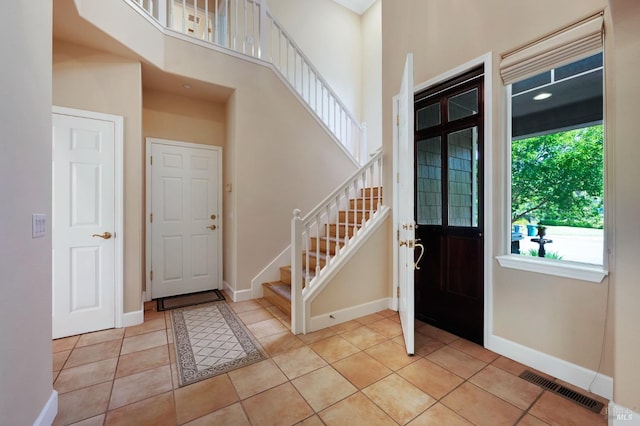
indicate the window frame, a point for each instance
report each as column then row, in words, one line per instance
column 562, row 268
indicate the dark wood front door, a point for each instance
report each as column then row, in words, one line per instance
column 449, row 286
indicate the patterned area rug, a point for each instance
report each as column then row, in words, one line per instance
column 211, row 340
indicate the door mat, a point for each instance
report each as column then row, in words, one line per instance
column 211, row 340
column 183, row 300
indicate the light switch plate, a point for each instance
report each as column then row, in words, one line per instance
column 38, row 225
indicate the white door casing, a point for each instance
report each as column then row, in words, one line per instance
column 405, row 204
column 86, row 221
column 184, row 224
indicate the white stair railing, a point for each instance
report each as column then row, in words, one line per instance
column 289, row 60
column 247, row 27
column 358, row 198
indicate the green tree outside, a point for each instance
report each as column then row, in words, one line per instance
column 557, row 179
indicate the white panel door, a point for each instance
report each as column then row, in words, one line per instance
column 406, row 220
column 83, row 225
column 185, row 221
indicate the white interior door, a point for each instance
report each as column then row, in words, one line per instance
column 84, row 224
column 185, row 223
column 406, row 220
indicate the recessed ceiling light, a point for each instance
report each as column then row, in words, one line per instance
column 188, row 86
column 542, row 96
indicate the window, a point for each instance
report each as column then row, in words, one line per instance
column 557, row 163
column 555, row 91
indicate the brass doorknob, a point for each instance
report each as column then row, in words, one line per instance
column 105, row 235
column 212, row 227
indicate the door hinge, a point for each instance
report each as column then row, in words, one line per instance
column 398, row 177
column 397, row 120
column 398, row 231
column 151, row 159
column 398, row 295
column 151, row 275
column 150, row 217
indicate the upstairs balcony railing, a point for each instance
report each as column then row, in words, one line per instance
column 247, row 27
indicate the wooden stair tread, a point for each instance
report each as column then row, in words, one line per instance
column 344, row 225
column 280, row 288
column 313, row 253
column 288, row 269
column 331, row 238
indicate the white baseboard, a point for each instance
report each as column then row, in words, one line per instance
column 563, row 370
column 238, row 295
column 343, row 315
column 49, row 411
column 618, row 415
column 271, row 272
column 133, row 318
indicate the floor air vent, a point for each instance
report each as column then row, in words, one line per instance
column 551, row 386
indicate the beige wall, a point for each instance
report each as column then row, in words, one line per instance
column 179, row 118
column 284, row 160
column 330, row 36
column 25, row 188
column 95, row 81
column 346, row 48
column 281, row 157
column 561, row 317
column 372, row 75
column 363, row 279
column 624, row 128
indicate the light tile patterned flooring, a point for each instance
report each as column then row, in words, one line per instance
column 355, row 373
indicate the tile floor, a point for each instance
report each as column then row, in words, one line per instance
column 356, row 373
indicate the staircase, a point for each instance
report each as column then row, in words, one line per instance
column 334, row 237
column 332, row 232
column 247, row 27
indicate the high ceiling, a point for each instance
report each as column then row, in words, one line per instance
column 358, row 6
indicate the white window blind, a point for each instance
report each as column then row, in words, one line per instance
column 571, row 44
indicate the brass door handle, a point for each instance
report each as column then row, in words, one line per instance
column 421, row 254
column 212, row 227
column 105, row 235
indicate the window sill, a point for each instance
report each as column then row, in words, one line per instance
column 578, row 271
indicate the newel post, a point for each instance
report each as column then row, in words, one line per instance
column 297, row 304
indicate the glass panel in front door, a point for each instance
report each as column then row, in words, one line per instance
column 462, row 153
column 463, row 105
column 429, row 181
column 428, row 116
